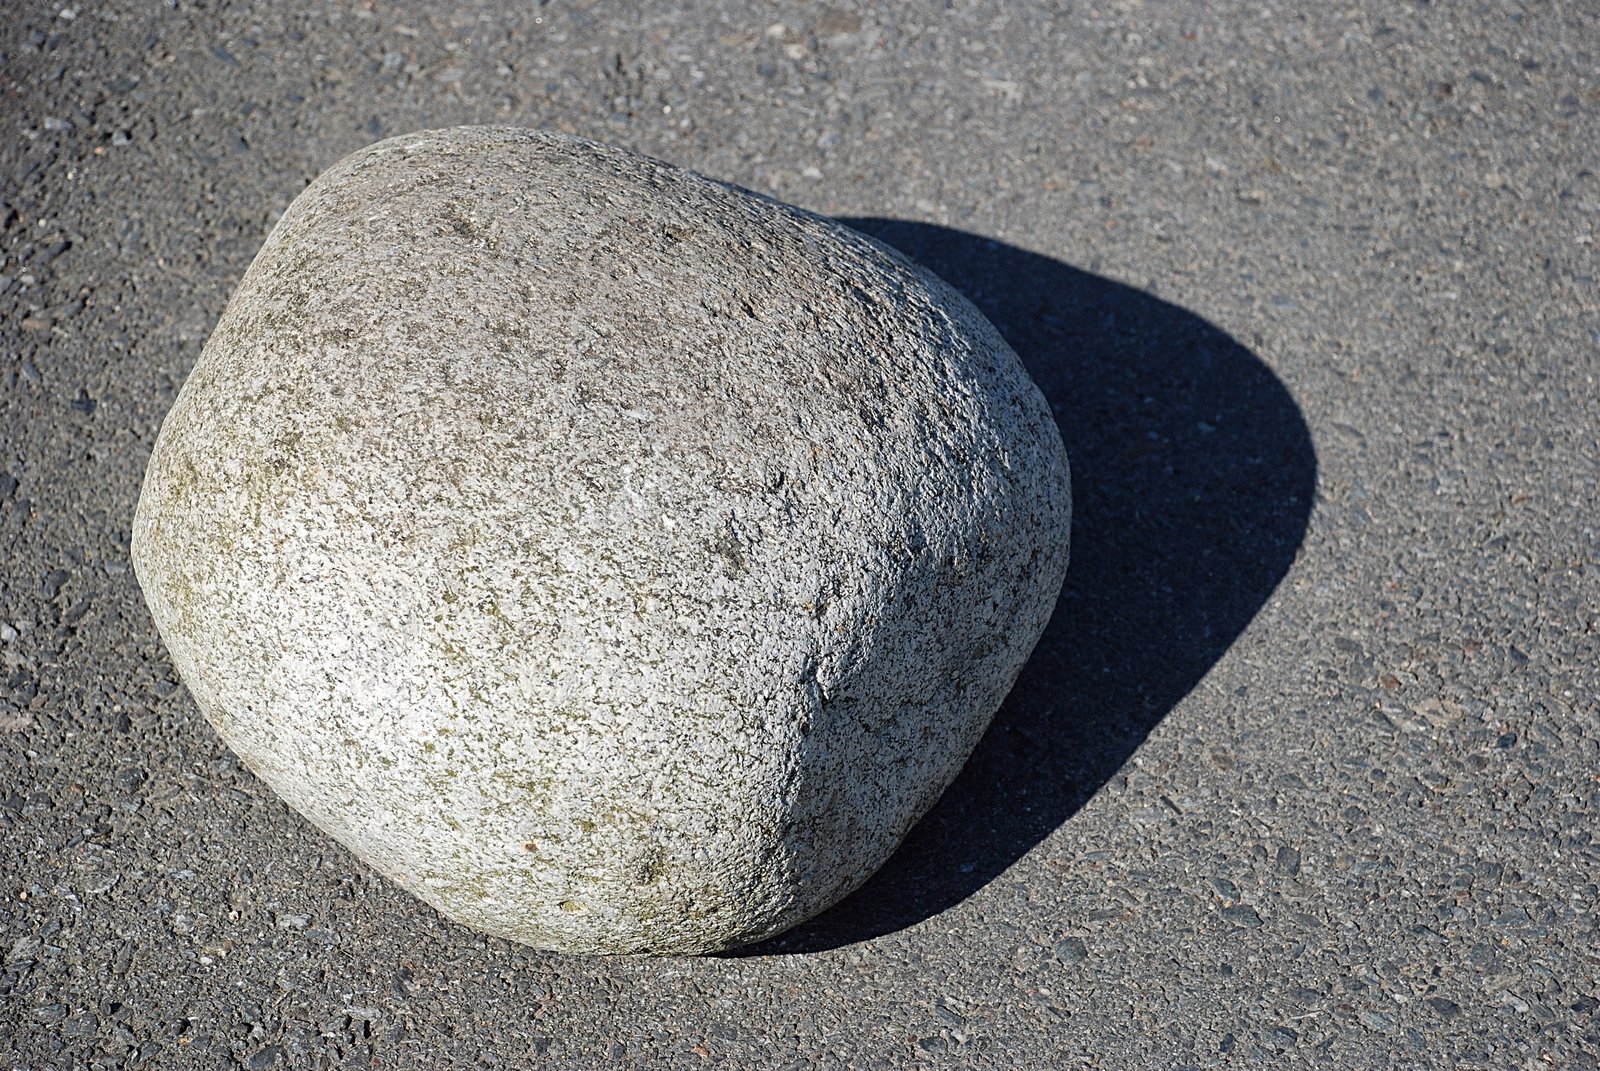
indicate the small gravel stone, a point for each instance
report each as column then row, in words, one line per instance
column 1072, row 950
column 1242, row 915
column 1446, row 1007
column 265, row 1058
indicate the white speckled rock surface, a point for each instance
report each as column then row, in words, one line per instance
column 615, row 559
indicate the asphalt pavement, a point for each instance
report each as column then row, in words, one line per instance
column 1306, row 771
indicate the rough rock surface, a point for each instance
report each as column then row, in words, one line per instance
column 615, row 559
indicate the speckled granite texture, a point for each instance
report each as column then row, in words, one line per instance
column 615, row 559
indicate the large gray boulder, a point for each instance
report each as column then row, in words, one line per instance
column 617, row 560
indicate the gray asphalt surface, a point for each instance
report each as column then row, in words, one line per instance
column 1305, row 771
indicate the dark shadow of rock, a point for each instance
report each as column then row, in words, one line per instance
column 1193, row 476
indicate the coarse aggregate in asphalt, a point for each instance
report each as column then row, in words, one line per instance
column 1306, row 772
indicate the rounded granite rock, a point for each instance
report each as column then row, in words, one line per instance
column 618, row 560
